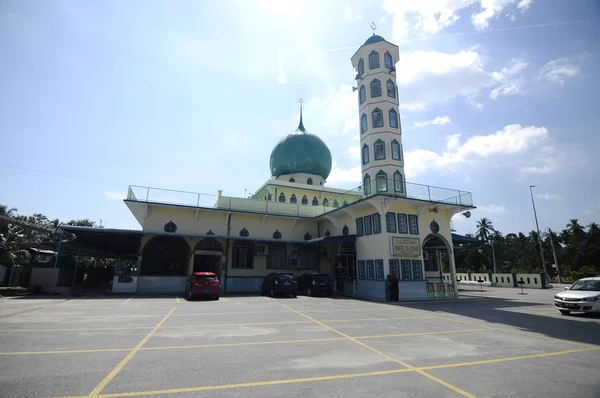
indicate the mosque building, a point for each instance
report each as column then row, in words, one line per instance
column 296, row 223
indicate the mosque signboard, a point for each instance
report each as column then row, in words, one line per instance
column 405, row 247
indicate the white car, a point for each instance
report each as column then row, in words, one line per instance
column 581, row 296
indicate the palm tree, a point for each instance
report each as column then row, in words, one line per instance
column 5, row 211
column 485, row 229
column 574, row 227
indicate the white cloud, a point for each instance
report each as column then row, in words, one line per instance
column 439, row 120
column 339, row 175
column 491, row 208
column 348, row 15
column 336, row 112
column 558, row 70
column 511, row 140
column 546, row 161
column 492, row 8
column 548, row 196
column 281, row 78
column 508, row 80
column 524, row 5
column 112, row 195
column 354, row 152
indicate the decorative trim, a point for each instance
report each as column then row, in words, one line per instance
column 170, row 227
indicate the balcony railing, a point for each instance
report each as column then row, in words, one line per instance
column 390, row 188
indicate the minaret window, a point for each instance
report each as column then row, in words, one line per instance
column 293, row 199
column 379, row 149
column 361, row 67
column 374, row 60
column 282, row 198
column 362, row 94
column 377, row 118
column 391, row 89
column 387, row 60
column 315, row 201
column 367, row 185
column 292, row 179
column 381, row 181
column 363, row 123
column 396, row 150
column 398, row 183
column 325, row 202
column 365, row 154
column 309, row 181
column 335, row 203
column 345, row 230
column 375, row 88
column 304, row 200
column 393, row 118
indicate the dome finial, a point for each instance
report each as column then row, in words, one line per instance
column 373, row 26
column 301, row 125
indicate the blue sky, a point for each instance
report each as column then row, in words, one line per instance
column 495, row 95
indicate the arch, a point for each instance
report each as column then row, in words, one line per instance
column 393, row 116
column 379, row 150
column 430, row 240
column 166, row 255
column 209, row 245
column 325, row 202
column 315, row 201
column 335, row 203
column 292, row 179
column 244, row 233
column 365, row 154
column 170, row 227
column 363, row 123
column 375, row 88
column 387, row 60
column 396, row 154
column 281, row 197
column 398, row 182
column 309, row 181
column 304, row 200
column 377, row 118
column 361, row 67
column 208, row 254
column 367, row 184
column 345, row 230
column 390, row 88
column 362, row 94
column 374, row 60
column 381, row 181
column 293, row 199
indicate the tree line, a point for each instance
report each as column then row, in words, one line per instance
column 576, row 249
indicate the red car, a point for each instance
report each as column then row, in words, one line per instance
column 203, row 284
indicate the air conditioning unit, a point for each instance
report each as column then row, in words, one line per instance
column 262, row 249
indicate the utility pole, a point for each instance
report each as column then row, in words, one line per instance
column 554, row 255
column 538, row 230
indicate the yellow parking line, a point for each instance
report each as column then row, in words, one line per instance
column 98, row 389
column 431, row 377
column 128, row 300
column 424, row 333
column 486, row 361
column 74, row 329
column 177, row 300
column 239, row 344
column 224, row 299
column 65, row 351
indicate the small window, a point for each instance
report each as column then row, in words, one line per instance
column 243, row 254
column 359, row 227
column 394, row 266
column 309, row 181
column 393, row 118
column 292, row 179
column 374, row 60
column 402, row 224
column 362, row 274
column 345, row 230
column 387, row 60
column 413, row 224
column 502, row 279
column 496, row 279
column 406, row 270
column 361, row 67
column 390, row 222
column 370, row 269
column 377, row 117
column 244, row 233
column 368, row 224
column 376, row 223
column 375, row 88
column 325, row 202
column 417, row 269
column 528, row 280
column 382, row 182
column 396, row 150
column 363, row 123
column 282, row 198
column 398, row 183
column 365, row 154
column 362, row 94
column 170, row 227
column 535, row 280
column 304, row 200
column 293, row 199
column 315, row 201
column 379, row 270
column 336, row 203
column 391, row 89
column 379, row 149
column 367, row 185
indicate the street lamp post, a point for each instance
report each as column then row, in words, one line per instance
column 554, row 255
column 538, row 230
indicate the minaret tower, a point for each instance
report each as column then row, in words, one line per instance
column 379, row 118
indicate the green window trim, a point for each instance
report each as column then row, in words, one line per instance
column 368, row 225
column 370, row 269
column 379, row 271
column 376, row 223
column 359, row 227
column 413, row 224
column 402, row 223
column 373, row 60
column 379, row 150
column 390, row 222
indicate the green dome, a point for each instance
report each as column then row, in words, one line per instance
column 301, row 152
column 373, row 39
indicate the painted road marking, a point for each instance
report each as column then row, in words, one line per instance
column 98, row 389
column 177, row 300
column 128, row 300
column 431, row 377
column 424, row 333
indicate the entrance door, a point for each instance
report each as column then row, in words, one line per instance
column 346, row 269
column 207, row 263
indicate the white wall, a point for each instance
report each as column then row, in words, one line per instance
column 531, row 280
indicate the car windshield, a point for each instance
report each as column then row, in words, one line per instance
column 590, row 286
column 205, row 278
column 285, row 277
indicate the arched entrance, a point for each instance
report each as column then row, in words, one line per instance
column 438, row 264
column 165, row 255
column 207, row 256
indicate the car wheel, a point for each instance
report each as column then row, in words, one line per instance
column 309, row 292
column 272, row 293
column 189, row 296
column 216, row 297
column 294, row 295
column 565, row 312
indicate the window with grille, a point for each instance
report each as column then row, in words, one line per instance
column 374, row 60
column 402, row 224
column 367, row 185
column 359, row 227
column 336, row 203
column 387, row 59
column 393, row 118
column 382, row 182
column 370, row 269
column 368, row 221
column 307, row 258
column 390, row 222
column 361, row 67
column 395, row 267
column 379, row 149
column 304, row 200
column 325, row 202
column 379, row 269
column 398, row 183
column 375, row 88
column 363, row 123
column 309, row 181
column 395, row 150
column 277, row 257
column 417, row 269
column 391, row 89
column 282, row 198
column 413, row 224
column 406, row 271
column 362, row 274
column 376, row 223
column 362, row 94
column 315, row 201
column 243, row 254
column 293, row 199
column 377, row 118
column 365, row 154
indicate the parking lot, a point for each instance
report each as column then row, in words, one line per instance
column 487, row 344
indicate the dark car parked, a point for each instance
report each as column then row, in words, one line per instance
column 279, row 283
column 315, row 284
